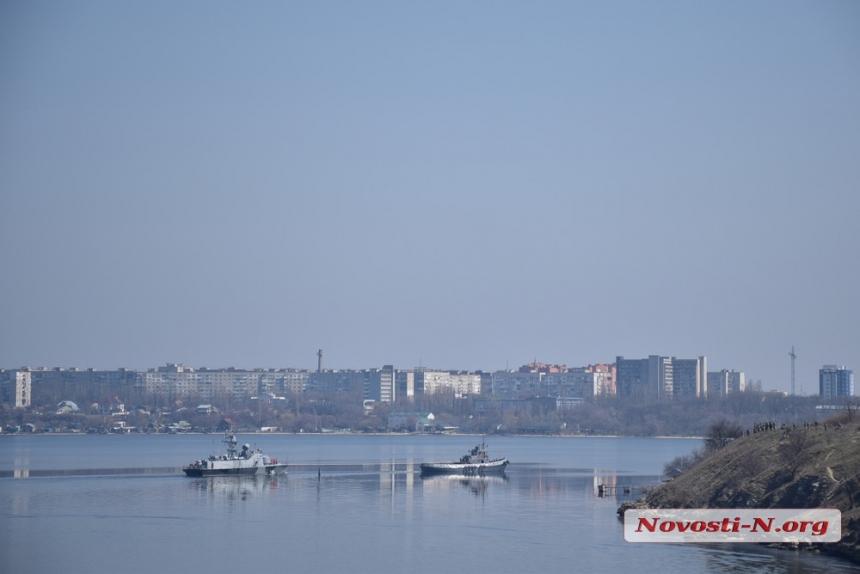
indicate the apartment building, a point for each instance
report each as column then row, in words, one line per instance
column 726, row 382
column 405, row 383
column 835, row 381
column 16, row 387
column 690, row 377
column 379, row 384
column 659, row 376
column 428, row 382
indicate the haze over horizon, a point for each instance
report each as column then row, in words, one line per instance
column 458, row 186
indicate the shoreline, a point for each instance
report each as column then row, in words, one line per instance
column 346, row 433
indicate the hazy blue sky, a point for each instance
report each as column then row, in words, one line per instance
column 464, row 185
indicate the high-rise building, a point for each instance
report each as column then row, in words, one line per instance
column 651, row 377
column 379, row 385
column 690, row 377
column 725, row 382
column 463, row 384
column 661, row 377
column 15, row 387
column 835, row 381
column 405, row 383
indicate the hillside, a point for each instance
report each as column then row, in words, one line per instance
column 805, row 466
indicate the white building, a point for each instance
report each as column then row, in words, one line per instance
column 15, row 388
column 463, row 384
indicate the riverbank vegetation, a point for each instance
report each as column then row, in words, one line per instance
column 811, row 464
column 316, row 412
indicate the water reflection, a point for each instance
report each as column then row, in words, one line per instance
column 548, row 483
column 232, row 488
column 477, row 485
column 534, row 481
column 36, row 473
column 530, row 482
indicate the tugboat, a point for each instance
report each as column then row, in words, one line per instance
column 475, row 463
column 243, row 463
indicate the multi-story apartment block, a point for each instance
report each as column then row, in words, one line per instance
column 689, row 377
column 643, row 377
column 835, row 381
column 104, row 380
column 15, row 387
column 295, row 381
column 576, row 382
column 463, row 384
column 656, row 377
column 379, row 384
column 554, row 381
column 405, row 383
column 606, row 378
column 514, row 384
column 581, row 382
column 725, row 382
column 335, row 381
column 174, row 380
column 213, row 383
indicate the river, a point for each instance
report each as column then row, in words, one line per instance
column 349, row 504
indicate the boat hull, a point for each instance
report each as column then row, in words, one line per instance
column 236, row 471
column 465, row 469
column 248, row 462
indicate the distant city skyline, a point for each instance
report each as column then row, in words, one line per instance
column 466, row 187
column 733, row 372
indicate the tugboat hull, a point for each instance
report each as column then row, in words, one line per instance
column 456, row 468
column 474, row 463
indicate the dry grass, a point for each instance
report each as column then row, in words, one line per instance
column 796, row 467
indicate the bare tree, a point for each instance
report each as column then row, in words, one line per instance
column 679, row 465
column 721, row 433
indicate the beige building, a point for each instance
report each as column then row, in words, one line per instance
column 463, row 384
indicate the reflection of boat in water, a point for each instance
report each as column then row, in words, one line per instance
column 475, row 463
column 235, row 463
column 500, row 478
column 241, row 487
column 477, row 484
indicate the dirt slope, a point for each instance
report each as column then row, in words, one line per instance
column 804, row 466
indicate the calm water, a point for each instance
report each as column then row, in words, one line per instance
column 350, row 504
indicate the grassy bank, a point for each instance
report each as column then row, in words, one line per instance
column 796, row 466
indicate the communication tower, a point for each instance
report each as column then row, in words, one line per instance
column 793, row 356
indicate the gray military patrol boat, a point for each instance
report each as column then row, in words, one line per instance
column 246, row 462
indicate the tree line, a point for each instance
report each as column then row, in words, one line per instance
column 315, row 411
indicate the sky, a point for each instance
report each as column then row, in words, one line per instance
column 454, row 185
